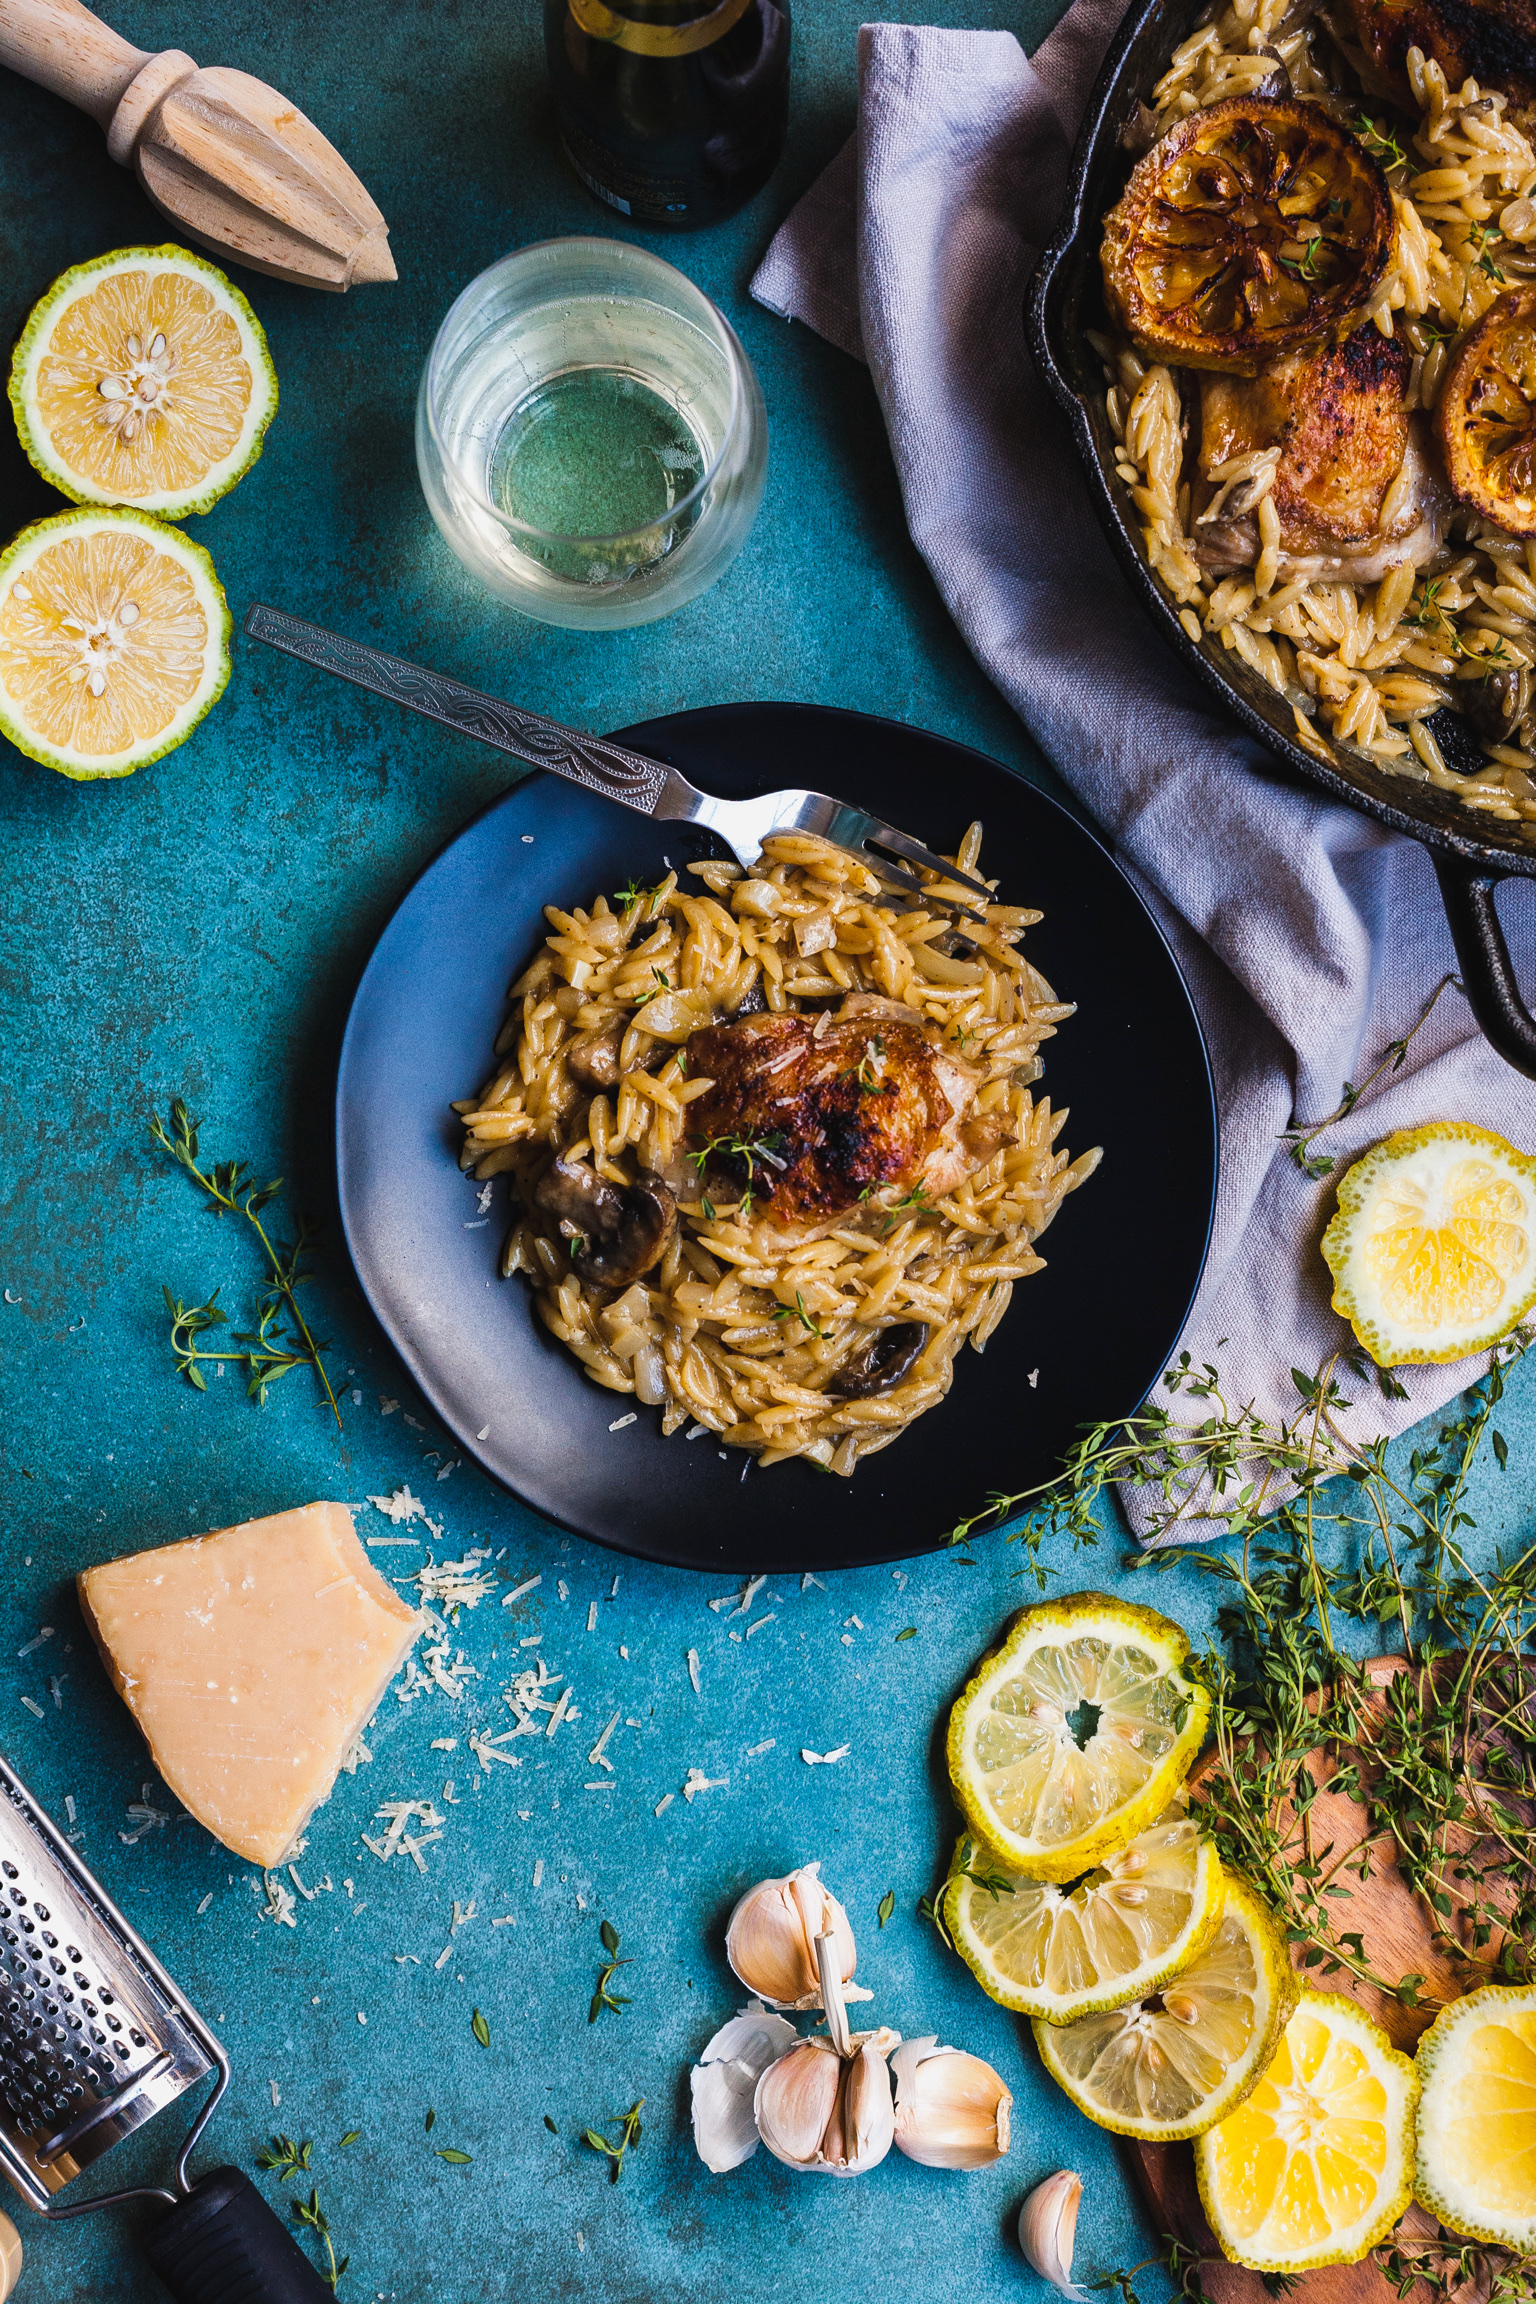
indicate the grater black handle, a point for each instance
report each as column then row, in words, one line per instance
column 223, row 2245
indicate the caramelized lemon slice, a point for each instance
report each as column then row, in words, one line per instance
column 1075, row 1734
column 114, row 641
column 1477, row 2116
column 1314, row 2167
column 1433, row 1248
column 143, row 378
column 1252, row 227
column 1173, row 2064
column 1118, row 1936
column 1486, row 415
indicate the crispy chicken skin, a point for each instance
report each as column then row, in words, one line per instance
column 1337, row 416
column 1490, row 41
column 835, row 1107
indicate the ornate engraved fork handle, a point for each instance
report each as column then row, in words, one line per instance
column 628, row 777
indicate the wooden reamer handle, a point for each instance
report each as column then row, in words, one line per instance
column 63, row 47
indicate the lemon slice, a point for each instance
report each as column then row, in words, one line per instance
column 1075, row 1734
column 1433, row 1249
column 1117, row 1936
column 143, row 378
column 114, row 641
column 1316, row 2166
column 1173, row 2064
column 1477, row 2116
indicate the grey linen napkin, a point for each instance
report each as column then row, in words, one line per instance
column 1309, row 935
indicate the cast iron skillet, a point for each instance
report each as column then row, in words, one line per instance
column 1065, row 301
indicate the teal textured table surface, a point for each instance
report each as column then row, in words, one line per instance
column 199, row 929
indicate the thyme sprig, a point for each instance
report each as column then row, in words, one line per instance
column 268, row 1353
column 284, row 2157
column 1299, row 1139
column 628, row 2125
column 604, row 1997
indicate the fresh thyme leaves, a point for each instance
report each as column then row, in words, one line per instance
column 1305, row 265
column 456, row 2159
column 603, row 1997
column 283, row 2157
column 550, row 2125
column 886, row 1906
column 1378, row 138
column 1480, row 239
column 751, row 1149
column 269, row 1353
column 797, row 1311
column 431, row 2121
column 352, row 2136
column 931, row 1909
column 480, row 2029
column 907, row 1632
column 871, row 1064
column 1299, row 1140
column 634, row 894
column 628, row 2125
column 662, row 984
column 1183, row 2266
column 914, row 1203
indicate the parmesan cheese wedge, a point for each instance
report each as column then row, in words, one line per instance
column 251, row 1659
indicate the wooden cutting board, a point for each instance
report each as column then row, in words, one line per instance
column 1398, row 1942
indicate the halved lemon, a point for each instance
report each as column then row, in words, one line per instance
column 1316, row 2166
column 1477, row 2116
column 143, row 378
column 1075, row 1734
column 1175, row 2063
column 1433, row 1248
column 114, row 641
column 1119, row 1935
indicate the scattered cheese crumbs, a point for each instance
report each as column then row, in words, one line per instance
column 695, row 1431
column 445, row 1743
column 374, row 1541
column 206, row 1902
column 406, row 1960
column 824, row 1759
column 538, row 1873
column 755, row 1751
column 357, row 1397
column 613, row 1589
column 449, row 1468
column 581, row 2238
column 455, row 1584
column 400, row 1507
column 855, row 1622
column 699, row 1782
column 484, row 1432
column 1034, row 1378
column 276, row 2096
column 397, row 1814
column 595, row 1756
column 899, row 1579
column 414, row 1422
column 488, row 1748
column 449, row 1795
column 761, row 1621
column 362, row 2019
column 56, row 1689
column 591, row 1615
column 507, row 1920
column 532, row 1640
column 462, row 1915
column 663, row 1804
column 693, row 1670
column 808, row 1579
column 280, row 1906
column 142, row 1812
column 562, row 1588
column 387, row 1407
column 483, row 1198
column 624, row 1652
column 69, row 1806
column 847, row 1639
column 33, row 1707
column 619, row 1422
column 355, row 1758
column 558, row 1713
column 33, row 1646
column 599, row 1784
column 520, row 1591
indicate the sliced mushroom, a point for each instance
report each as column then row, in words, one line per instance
column 887, row 1360
column 592, row 1059
column 1497, row 704
column 613, row 1232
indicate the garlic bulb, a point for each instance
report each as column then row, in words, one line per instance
column 952, row 2110
column 771, row 1940
column 1048, row 2228
column 829, row 2114
column 724, row 2082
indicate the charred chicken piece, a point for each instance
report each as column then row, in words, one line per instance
column 613, row 1233
column 812, row 1113
column 1254, row 226
column 1490, row 41
column 1354, row 489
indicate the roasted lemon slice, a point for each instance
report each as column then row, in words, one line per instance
column 1477, row 2116
column 1172, row 2065
column 143, row 378
column 1118, row 1936
column 114, row 641
column 1486, row 414
column 1252, row 227
column 1075, row 1734
column 1433, row 1248
column 1315, row 2167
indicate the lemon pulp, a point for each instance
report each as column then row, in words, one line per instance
column 1477, row 2129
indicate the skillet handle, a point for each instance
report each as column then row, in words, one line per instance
column 1487, row 972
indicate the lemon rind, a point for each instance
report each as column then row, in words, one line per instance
column 84, row 767
column 1286, row 1994
column 1385, row 1348
column 1433, row 2052
column 1368, row 2234
column 32, row 344
column 1030, row 1627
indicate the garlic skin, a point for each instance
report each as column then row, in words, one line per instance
column 952, row 2110
column 1048, row 2229
column 770, row 1941
column 826, row 2113
column 724, row 2082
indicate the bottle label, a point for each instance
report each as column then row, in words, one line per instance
column 632, row 191
column 600, row 22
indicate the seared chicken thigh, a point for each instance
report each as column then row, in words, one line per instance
column 1490, row 41
column 1354, row 489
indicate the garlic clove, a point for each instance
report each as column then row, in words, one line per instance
column 868, row 2111
column 952, row 2110
column 724, row 2082
column 770, row 1940
column 1048, row 2229
column 795, row 2101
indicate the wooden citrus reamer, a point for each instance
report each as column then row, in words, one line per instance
column 229, row 161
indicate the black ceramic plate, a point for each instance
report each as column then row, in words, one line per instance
column 1086, row 1338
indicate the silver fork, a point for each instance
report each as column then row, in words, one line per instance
column 631, row 778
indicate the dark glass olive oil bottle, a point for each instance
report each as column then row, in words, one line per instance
column 673, row 111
